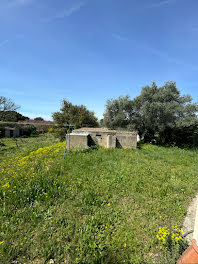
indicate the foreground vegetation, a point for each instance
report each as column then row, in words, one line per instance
column 96, row 206
column 10, row 147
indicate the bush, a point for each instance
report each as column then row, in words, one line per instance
column 172, row 243
column 59, row 132
column 28, row 130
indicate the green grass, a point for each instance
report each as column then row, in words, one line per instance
column 11, row 146
column 97, row 206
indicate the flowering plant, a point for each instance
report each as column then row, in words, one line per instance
column 169, row 237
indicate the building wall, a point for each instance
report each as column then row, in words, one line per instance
column 78, row 141
column 100, row 139
column 16, row 133
column 126, row 141
column 106, row 139
column 111, row 141
column 12, row 133
column 7, row 133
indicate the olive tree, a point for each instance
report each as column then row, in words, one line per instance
column 159, row 113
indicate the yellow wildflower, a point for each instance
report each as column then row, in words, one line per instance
column 7, row 185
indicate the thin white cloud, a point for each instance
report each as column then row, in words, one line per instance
column 20, row 2
column 67, row 12
column 161, row 3
column 165, row 56
column 118, row 37
column 9, row 4
column 3, row 43
column 194, row 28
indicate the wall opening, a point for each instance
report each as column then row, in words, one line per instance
column 118, row 145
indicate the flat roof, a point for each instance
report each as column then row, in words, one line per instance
column 10, row 128
column 79, row 134
column 102, row 130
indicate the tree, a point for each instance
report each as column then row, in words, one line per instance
column 73, row 114
column 7, row 104
column 39, row 119
column 159, row 113
column 117, row 114
column 11, row 116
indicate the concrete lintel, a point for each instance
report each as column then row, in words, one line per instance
column 80, row 135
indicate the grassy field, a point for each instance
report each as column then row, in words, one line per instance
column 96, row 206
column 13, row 147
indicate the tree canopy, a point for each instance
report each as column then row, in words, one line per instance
column 11, row 116
column 159, row 113
column 38, row 118
column 77, row 115
column 7, row 104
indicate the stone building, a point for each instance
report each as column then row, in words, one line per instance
column 12, row 132
column 87, row 137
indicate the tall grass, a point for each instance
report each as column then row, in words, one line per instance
column 96, row 206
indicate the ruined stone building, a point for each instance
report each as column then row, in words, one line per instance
column 88, row 137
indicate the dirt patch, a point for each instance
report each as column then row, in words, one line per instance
column 189, row 220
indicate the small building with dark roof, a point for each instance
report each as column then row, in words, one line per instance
column 12, row 132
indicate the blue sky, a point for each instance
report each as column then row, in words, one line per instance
column 88, row 51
